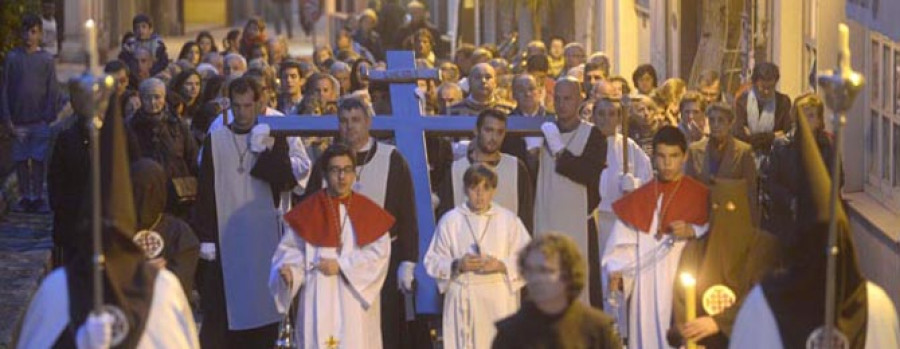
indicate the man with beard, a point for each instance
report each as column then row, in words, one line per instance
column 553, row 317
column 514, row 190
column 382, row 175
column 482, row 83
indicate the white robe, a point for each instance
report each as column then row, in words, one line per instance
column 343, row 307
column 650, row 291
column 170, row 323
column 473, row 303
column 611, row 185
column 755, row 326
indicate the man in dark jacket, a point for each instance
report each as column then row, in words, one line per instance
column 553, row 317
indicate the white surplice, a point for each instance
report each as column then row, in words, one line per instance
column 611, row 184
column 343, row 309
column 649, row 291
column 755, row 326
column 170, row 323
column 473, row 303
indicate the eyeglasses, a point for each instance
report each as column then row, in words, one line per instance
column 338, row 171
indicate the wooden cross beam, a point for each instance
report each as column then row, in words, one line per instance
column 409, row 127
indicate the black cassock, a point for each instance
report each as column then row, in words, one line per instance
column 579, row 326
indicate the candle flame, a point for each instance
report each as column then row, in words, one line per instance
column 688, row 280
column 89, row 23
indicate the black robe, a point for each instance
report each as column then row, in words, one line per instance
column 525, row 191
column 182, row 248
column 579, row 326
column 404, row 239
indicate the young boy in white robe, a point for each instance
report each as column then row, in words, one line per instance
column 337, row 258
column 473, row 259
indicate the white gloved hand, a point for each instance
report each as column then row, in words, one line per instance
column 533, row 142
column 96, row 332
column 629, row 182
column 435, row 200
column 260, row 139
column 405, row 276
column 554, row 140
column 208, row 251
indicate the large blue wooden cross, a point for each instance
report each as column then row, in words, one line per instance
column 408, row 126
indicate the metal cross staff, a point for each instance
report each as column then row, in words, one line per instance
column 841, row 87
column 409, row 127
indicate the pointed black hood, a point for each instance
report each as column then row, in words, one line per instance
column 797, row 294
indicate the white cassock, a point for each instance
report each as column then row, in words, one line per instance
column 650, row 290
column 170, row 323
column 343, row 309
column 755, row 326
column 473, row 303
column 611, row 185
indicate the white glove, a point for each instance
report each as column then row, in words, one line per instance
column 96, row 333
column 208, row 251
column 435, row 200
column 405, row 276
column 554, row 140
column 629, row 182
column 260, row 139
column 533, row 142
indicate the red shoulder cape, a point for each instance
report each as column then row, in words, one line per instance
column 690, row 204
column 314, row 219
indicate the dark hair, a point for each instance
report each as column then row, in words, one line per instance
column 670, row 135
column 115, row 66
column 537, row 63
column 556, row 37
column 350, row 103
column 765, row 71
column 464, row 50
column 572, row 267
column 173, row 101
column 212, row 88
column 642, row 70
column 141, row 18
column 186, row 48
column 206, row 34
column 336, row 150
column 478, row 173
column 233, row 34
column 590, row 66
column 178, row 82
column 244, row 84
column 490, row 113
column 356, row 81
column 722, row 108
column 290, row 65
column 30, row 20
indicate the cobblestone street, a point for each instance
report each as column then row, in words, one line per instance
column 25, row 245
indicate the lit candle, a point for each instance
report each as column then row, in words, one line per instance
column 844, row 33
column 690, row 301
column 90, row 30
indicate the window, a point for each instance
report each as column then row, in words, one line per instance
column 882, row 156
